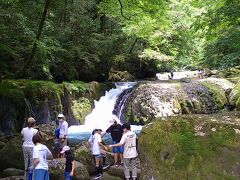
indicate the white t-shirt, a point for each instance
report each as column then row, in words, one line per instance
column 63, row 129
column 129, row 141
column 42, row 152
column 94, row 140
column 28, row 133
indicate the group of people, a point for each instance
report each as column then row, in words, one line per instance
column 36, row 154
column 124, row 148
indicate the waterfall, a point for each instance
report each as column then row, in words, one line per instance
column 120, row 103
column 103, row 112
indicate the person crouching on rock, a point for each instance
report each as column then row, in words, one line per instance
column 95, row 143
column 69, row 168
column 129, row 140
column 40, row 155
column 27, row 134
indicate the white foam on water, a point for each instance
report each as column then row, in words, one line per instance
column 101, row 115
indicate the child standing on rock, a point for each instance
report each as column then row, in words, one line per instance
column 69, row 168
column 95, row 143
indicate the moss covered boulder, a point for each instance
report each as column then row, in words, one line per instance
column 83, row 154
column 123, row 76
column 232, row 72
column 150, row 100
column 96, row 90
column 219, row 89
column 234, row 97
column 191, row 148
column 11, row 154
column 57, row 172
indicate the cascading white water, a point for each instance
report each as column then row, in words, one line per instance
column 101, row 114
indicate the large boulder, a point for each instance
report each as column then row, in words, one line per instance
column 96, row 90
column 150, row 100
column 193, row 147
column 116, row 76
column 231, row 72
column 12, row 172
column 57, row 170
column 11, row 154
column 83, row 154
column 118, row 172
column 234, row 97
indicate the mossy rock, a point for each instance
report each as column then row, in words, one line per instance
column 80, row 172
column 83, row 155
column 81, row 107
column 12, row 155
column 116, row 76
column 96, row 90
column 234, row 97
column 231, row 72
column 2, row 144
column 218, row 94
column 189, row 148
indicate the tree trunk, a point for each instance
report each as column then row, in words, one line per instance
column 130, row 52
column 30, row 61
column 65, row 13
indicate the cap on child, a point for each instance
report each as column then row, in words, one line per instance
column 64, row 149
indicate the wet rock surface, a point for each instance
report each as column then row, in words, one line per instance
column 150, row 100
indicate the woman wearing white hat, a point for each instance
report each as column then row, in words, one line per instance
column 63, row 130
column 27, row 133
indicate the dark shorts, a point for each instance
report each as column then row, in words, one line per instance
column 118, row 149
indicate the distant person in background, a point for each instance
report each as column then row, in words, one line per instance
column 171, row 75
column 129, row 140
column 200, row 74
column 40, row 155
column 116, row 133
column 27, row 134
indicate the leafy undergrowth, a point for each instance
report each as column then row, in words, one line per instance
column 191, row 148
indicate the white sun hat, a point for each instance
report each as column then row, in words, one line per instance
column 60, row 115
column 64, row 149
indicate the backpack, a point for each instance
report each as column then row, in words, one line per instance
column 57, row 133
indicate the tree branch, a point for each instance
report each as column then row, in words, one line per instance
column 122, row 10
column 39, row 32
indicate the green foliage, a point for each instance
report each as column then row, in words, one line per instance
column 221, row 24
column 83, row 40
column 76, row 87
column 9, row 90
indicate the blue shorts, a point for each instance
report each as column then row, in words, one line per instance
column 41, row 174
column 97, row 155
column 67, row 176
column 118, row 149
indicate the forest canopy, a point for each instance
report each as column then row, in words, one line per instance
column 68, row 40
